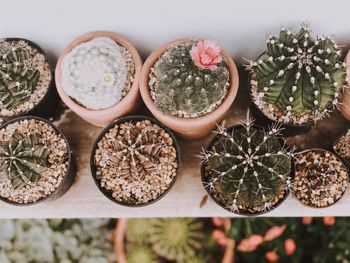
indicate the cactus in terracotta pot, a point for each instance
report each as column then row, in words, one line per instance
column 190, row 79
column 298, row 79
column 246, row 168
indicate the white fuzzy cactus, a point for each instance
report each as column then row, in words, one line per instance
column 94, row 73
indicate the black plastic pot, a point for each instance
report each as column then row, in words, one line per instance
column 204, row 178
column 68, row 179
column 132, row 119
column 320, row 150
column 48, row 105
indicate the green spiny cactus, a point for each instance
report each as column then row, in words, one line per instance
column 18, row 78
column 141, row 253
column 247, row 168
column 298, row 79
column 182, row 88
column 138, row 230
column 22, row 159
column 176, row 238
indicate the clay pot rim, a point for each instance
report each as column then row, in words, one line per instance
column 134, row 118
column 70, row 167
column 124, row 101
column 209, row 117
column 243, row 213
column 50, row 85
column 339, row 159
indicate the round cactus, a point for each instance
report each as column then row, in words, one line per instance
column 176, row 238
column 138, row 230
column 298, row 79
column 141, row 253
column 247, row 169
column 183, row 85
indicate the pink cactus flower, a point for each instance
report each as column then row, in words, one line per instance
column 290, row 246
column 307, row 220
column 271, row 256
column 206, row 54
column 274, row 232
column 250, row 244
column 329, row 220
column 218, row 222
column 220, row 237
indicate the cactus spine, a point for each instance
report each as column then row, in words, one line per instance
column 298, row 79
column 247, row 168
column 22, row 159
column 181, row 88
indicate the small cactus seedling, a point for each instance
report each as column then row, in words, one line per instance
column 141, row 253
column 177, row 238
column 298, row 79
column 191, row 79
column 320, row 178
column 247, row 169
column 22, row 159
column 18, row 75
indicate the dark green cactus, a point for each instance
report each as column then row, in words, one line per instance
column 176, row 238
column 298, row 77
column 22, row 159
column 141, row 253
column 184, row 89
column 18, row 78
column 247, row 168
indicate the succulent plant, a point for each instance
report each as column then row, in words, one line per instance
column 176, row 238
column 138, row 230
column 298, row 79
column 18, row 76
column 141, row 253
column 187, row 88
column 246, row 168
column 95, row 73
column 22, row 159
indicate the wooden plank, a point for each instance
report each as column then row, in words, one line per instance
column 84, row 199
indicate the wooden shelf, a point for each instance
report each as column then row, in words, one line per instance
column 83, row 199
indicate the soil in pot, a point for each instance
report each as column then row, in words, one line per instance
column 35, row 161
column 98, row 73
column 298, row 79
column 246, row 169
column 321, row 178
column 342, row 148
column 26, row 80
column 135, row 161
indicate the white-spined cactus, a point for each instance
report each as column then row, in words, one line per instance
column 298, row 79
column 94, row 73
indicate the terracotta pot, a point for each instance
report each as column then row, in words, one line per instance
column 190, row 128
column 344, row 107
column 119, row 242
column 127, row 105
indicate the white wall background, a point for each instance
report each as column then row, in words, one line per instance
column 239, row 26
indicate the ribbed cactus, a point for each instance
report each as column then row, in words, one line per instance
column 183, row 86
column 247, row 168
column 18, row 76
column 298, row 79
column 136, row 150
column 141, row 254
column 138, row 230
column 22, row 159
column 177, row 238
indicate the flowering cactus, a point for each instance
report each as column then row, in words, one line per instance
column 190, row 79
column 298, row 79
column 247, row 169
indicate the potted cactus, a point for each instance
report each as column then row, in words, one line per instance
column 189, row 85
column 135, row 161
column 297, row 80
column 320, row 178
column 97, row 77
column 342, row 148
column 35, row 161
column 247, row 169
column 26, row 80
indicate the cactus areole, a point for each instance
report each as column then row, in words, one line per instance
column 298, row 79
column 191, row 79
column 246, row 169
